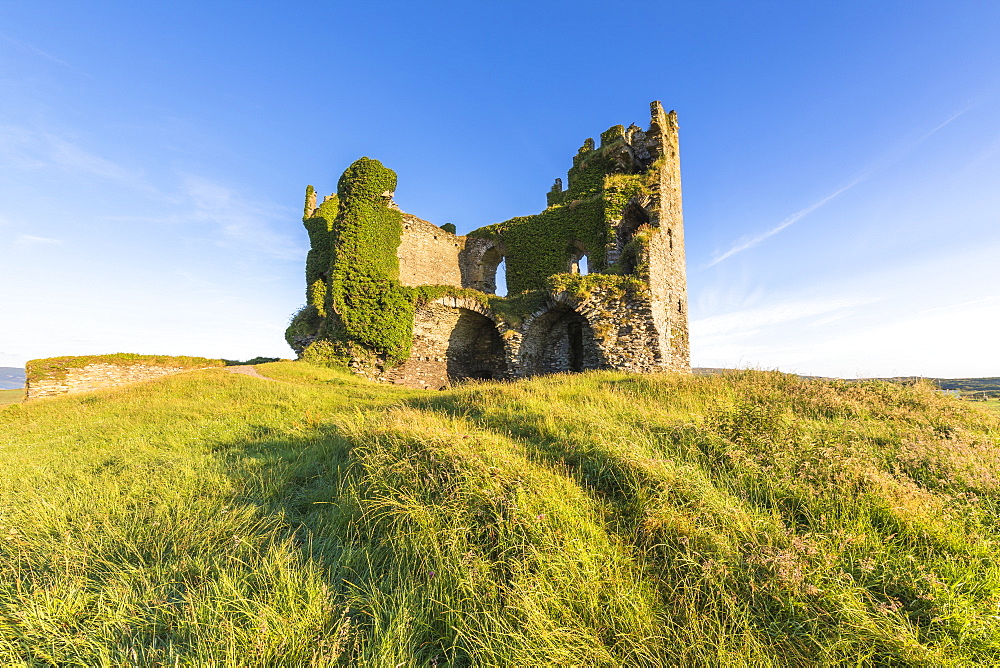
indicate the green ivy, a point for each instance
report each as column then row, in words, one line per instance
column 319, row 226
column 513, row 309
column 581, row 287
column 325, row 353
column 540, row 246
column 369, row 306
column 425, row 294
column 354, row 296
column 356, row 309
column 305, row 324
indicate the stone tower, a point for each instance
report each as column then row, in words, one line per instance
column 400, row 299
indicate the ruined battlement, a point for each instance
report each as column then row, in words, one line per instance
column 400, row 299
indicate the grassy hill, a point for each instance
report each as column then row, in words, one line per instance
column 600, row 519
column 990, row 386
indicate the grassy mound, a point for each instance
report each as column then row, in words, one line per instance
column 601, row 519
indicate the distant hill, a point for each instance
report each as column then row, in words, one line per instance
column 11, row 378
column 990, row 386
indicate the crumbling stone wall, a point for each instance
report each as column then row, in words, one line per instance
column 97, row 377
column 621, row 209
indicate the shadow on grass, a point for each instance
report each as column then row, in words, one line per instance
column 755, row 575
column 308, row 486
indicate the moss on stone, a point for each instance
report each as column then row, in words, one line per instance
column 425, row 294
column 55, row 368
column 582, row 287
column 514, row 309
column 599, row 191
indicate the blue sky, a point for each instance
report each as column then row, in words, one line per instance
column 841, row 161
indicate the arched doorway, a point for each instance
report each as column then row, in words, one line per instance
column 475, row 349
column 559, row 341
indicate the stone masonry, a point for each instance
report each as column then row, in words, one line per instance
column 629, row 313
column 97, row 377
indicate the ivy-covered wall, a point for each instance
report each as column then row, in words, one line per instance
column 319, row 225
column 618, row 197
column 602, row 181
column 354, row 298
column 369, row 306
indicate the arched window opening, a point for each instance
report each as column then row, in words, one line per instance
column 475, row 349
column 492, row 269
column 560, row 341
column 500, row 279
column 578, row 259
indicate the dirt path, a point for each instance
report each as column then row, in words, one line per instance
column 247, row 370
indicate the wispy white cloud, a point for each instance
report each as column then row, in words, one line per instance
column 24, row 46
column 241, row 221
column 26, row 149
column 904, row 320
column 933, row 131
column 69, row 156
column 882, row 163
column 19, row 148
column 945, row 341
column 32, row 240
column 791, row 220
column 746, row 320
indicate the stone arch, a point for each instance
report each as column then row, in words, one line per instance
column 633, row 217
column 488, row 267
column 475, row 348
column 479, row 264
column 559, row 340
column 578, row 258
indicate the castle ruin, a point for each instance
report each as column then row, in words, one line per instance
column 402, row 300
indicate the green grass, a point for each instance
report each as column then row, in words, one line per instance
column 992, row 404
column 600, row 519
column 11, row 396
